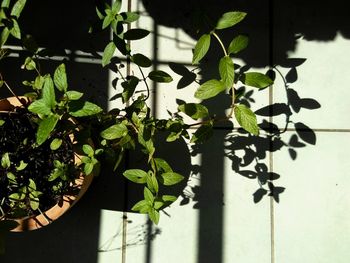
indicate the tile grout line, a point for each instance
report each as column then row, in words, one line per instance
column 271, row 62
column 125, row 214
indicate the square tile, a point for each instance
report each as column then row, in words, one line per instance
column 312, row 218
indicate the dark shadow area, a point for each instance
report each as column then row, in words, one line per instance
column 312, row 20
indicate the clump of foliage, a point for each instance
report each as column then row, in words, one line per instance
column 57, row 110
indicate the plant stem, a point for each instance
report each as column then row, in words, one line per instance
column 14, row 94
column 232, row 88
column 220, row 42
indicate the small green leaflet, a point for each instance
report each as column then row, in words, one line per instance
column 2, row 122
column 201, row 48
column 88, row 150
column 5, row 161
column 4, row 35
column 15, row 30
column 29, row 64
column 160, row 76
column 142, row 206
column 115, row 131
column 130, row 17
column 108, row 53
column 18, row 7
column 227, row 71
column 83, row 108
column 154, row 215
column 256, row 79
column 39, row 107
column 136, row 175
column 55, row 144
column 171, row 178
column 238, row 44
column 46, row 126
column 60, row 78
column 116, row 6
column 246, row 118
column 108, row 19
column 194, row 110
column 22, row 165
column 209, row 89
column 48, row 94
column 88, row 168
column 230, row 19
column 73, row 95
column 147, row 194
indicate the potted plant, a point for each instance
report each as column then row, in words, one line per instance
column 45, row 157
column 53, row 112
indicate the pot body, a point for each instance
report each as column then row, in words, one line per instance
column 49, row 216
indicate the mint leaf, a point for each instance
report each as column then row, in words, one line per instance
column 209, row 89
column 256, row 79
column 229, row 19
column 246, row 118
column 201, row 48
column 227, row 71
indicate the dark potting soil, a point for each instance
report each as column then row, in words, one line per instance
column 17, row 137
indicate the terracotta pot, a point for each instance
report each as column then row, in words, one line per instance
column 49, row 216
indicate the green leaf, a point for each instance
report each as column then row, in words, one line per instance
column 22, row 165
column 194, row 110
column 88, row 150
column 34, row 203
column 29, row 64
column 246, row 118
column 48, row 94
column 201, row 48
column 74, row 95
column 238, row 44
column 57, row 172
column 160, row 76
column 256, row 79
column 227, row 71
column 5, row 3
column 154, row 215
column 135, row 34
column 148, row 195
column 130, row 17
column 136, row 175
column 39, row 82
column 142, row 205
column 88, row 168
column 5, row 161
column 171, row 178
column 141, row 60
column 169, row 198
column 83, row 108
column 116, row 6
column 15, row 30
column 114, row 132
column 209, row 89
column 2, row 122
column 17, row 8
column 17, row 196
column 4, row 36
column 46, row 126
column 202, row 134
column 55, row 144
column 162, row 165
column 230, row 19
column 129, row 88
column 152, row 183
column 60, row 78
column 108, row 19
column 39, row 107
column 108, row 53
